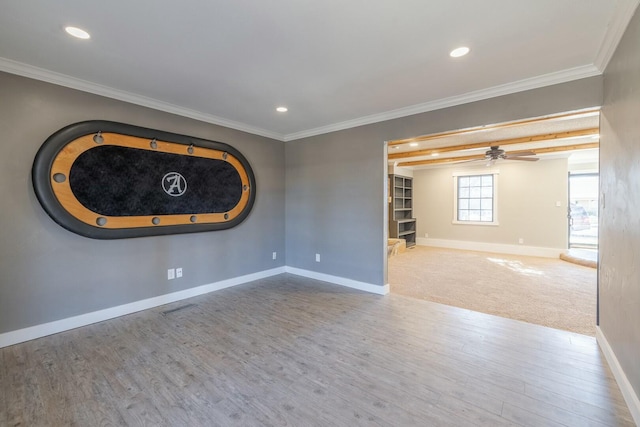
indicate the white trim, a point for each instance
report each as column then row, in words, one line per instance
column 630, row 396
column 499, row 248
column 362, row 286
column 621, row 18
column 386, row 184
column 494, row 199
column 26, row 70
column 38, row 331
column 42, row 330
column 486, row 223
column 492, row 92
column 36, row 73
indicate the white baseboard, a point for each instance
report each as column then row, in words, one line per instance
column 362, row 286
column 38, row 331
column 630, row 396
column 499, row 248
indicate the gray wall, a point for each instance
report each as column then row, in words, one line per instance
column 49, row 273
column 527, row 195
column 619, row 276
column 335, row 183
column 333, row 202
column 335, row 205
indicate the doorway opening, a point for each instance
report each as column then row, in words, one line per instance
column 545, row 194
column 583, row 210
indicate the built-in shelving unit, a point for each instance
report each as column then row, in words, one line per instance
column 402, row 225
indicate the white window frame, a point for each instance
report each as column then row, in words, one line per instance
column 495, row 173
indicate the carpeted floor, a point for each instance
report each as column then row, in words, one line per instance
column 544, row 291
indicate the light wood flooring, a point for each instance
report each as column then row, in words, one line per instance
column 293, row 351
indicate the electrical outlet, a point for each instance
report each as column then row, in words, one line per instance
column 171, row 274
column 521, row 240
column 426, row 235
column 275, row 255
column 179, row 272
column 317, row 257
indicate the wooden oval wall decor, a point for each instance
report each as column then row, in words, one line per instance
column 108, row 180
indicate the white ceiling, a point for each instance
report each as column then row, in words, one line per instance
column 334, row 64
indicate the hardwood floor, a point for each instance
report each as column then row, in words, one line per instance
column 293, row 351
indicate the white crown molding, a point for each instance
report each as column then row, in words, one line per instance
column 41, row 74
column 622, row 15
column 479, row 95
column 36, row 73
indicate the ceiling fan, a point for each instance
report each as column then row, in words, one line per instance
column 495, row 153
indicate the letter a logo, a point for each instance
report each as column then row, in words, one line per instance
column 174, row 184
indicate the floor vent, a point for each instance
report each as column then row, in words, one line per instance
column 173, row 310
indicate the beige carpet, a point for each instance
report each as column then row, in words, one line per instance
column 548, row 292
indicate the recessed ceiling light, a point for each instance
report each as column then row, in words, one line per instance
column 282, row 109
column 413, row 144
column 461, row 51
column 395, row 147
column 77, row 32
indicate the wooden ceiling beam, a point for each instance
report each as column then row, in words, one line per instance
column 558, row 149
column 511, row 141
column 441, row 161
column 513, row 153
column 495, row 126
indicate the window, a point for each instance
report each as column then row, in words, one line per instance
column 475, row 198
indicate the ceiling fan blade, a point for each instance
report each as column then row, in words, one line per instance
column 520, row 153
column 526, row 159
